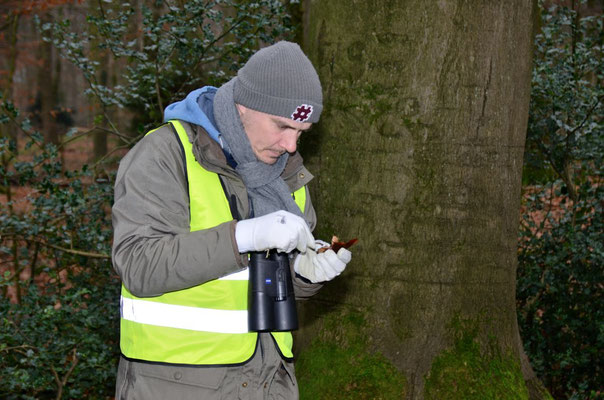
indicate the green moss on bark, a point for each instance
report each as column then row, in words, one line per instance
column 339, row 364
column 467, row 372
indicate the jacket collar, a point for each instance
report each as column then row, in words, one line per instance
column 210, row 155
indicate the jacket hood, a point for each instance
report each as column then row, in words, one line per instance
column 197, row 108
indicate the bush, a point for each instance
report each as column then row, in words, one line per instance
column 180, row 46
column 61, row 343
column 59, row 311
column 59, row 308
column 561, row 254
column 560, row 302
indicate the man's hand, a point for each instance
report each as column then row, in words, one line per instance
column 279, row 230
column 322, row 267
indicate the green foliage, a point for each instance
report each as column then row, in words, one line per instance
column 560, row 302
column 467, row 372
column 60, row 340
column 59, row 302
column 180, row 46
column 340, row 365
column 565, row 120
column 561, row 253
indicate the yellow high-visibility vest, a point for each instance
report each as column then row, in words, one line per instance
column 206, row 324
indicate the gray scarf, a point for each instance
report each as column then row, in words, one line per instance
column 267, row 190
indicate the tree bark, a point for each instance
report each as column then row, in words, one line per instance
column 48, row 86
column 100, row 137
column 419, row 155
column 12, row 27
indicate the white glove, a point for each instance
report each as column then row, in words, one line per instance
column 279, row 230
column 321, row 267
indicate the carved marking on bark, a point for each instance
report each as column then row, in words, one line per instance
column 484, row 95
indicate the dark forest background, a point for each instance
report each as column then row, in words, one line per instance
column 82, row 81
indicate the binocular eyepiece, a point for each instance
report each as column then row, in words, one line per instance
column 271, row 300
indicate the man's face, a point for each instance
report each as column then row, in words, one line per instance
column 270, row 135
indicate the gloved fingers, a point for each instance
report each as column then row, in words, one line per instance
column 310, row 239
column 291, row 232
column 279, row 230
column 297, row 261
column 330, row 264
column 319, row 267
column 304, row 238
column 305, row 266
column 285, row 244
column 321, row 244
column 344, row 255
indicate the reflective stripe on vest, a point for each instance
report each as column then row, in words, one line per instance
column 205, row 324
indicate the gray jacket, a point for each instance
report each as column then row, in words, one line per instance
column 154, row 252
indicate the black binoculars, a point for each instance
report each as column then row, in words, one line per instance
column 271, row 300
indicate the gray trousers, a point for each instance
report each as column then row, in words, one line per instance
column 265, row 377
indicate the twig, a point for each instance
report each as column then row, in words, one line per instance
column 205, row 50
column 34, row 262
column 598, row 100
column 17, row 348
column 29, row 135
column 91, row 130
column 124, row 146
column 158, row 90
column 17, row 272
column 549, row 208
column 71, row 251
column 111, row 124
column 62, row 382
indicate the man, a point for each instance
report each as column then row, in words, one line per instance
column 220, row 179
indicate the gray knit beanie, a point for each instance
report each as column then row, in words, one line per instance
column 280, row 80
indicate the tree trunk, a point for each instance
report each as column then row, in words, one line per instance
column 11, row 62
column 100, row 136
column 48, row 86
column 419, row 155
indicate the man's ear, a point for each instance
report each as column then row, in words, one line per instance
column 241, row 109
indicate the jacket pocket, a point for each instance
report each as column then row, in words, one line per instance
column 284, row 385
column 205, row 377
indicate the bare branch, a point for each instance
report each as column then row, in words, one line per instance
column 18, row 348
column 124, row 146
column 71, row 251
column 93, row 130
column 587, row 115
column 68, row 374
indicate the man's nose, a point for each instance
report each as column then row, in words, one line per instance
column 290, row 141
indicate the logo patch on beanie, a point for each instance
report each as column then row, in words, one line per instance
column 302, row 113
